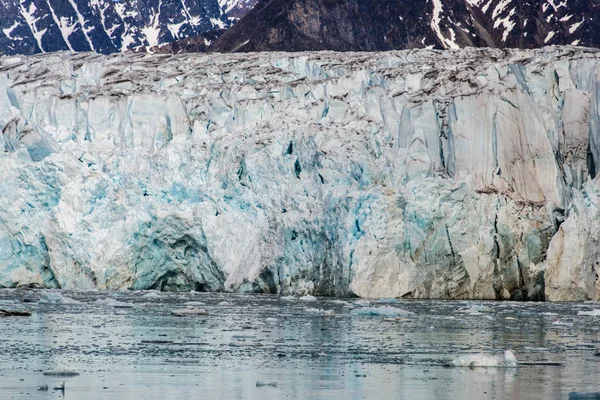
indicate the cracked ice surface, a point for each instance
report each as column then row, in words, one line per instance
column 410, row 173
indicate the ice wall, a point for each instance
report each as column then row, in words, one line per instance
column 460, row 174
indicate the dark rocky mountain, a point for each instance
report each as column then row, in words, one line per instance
column 365, row 25
column 106, row 26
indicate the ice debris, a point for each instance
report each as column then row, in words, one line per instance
column 113, row 303
column 308, row 297
column 56, row 298
column 388, row 300
column 475, row 309
column 388, row 312
column 189, row 311
column 508, row 360
column 593, row 313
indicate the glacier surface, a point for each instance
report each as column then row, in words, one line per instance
column 467, row 174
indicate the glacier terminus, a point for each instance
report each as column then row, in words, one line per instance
column 459, row 174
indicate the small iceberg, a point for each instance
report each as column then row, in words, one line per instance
column 308, row 297
column 593, row 313
column 388, row 312
column 113, row 303
column 55, row 298
column 475, row 309
column 388, row 300
column 506, row 360
column 188, row 311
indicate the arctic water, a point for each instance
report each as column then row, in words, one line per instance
column 129, row 345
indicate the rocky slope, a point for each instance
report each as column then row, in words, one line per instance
column 458, row 174
column 104, row 26
column 364, row 25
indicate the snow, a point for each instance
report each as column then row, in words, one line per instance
column 507, row 23
column 500, row 7
column 555, row 6
column 435, row 25
column 66, row 26
column 575, row 26
column 152, row 32
column 566, row 18
column 175, row 29
column 549, row 36
column 31, row 20
column 218, row 23
column 82, row 23
column 486, row 7
column 8, row 31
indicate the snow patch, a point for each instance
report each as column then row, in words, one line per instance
column 506, row 23
column 575, row 26
column 82, row 23
column 8, row 31
column 31, row 20
column 435, row 25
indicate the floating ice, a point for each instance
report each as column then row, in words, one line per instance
column 388, row 312
column 308, row 297
column 563, row 322
column 474, row 309
column 193, row 303
column 508, row 359
column 388, row 300
column 151, row 294
column 114, row 303
column 593, row 313
column 56, row 298
column 189, row 311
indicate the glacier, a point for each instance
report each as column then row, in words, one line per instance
column 464, row 174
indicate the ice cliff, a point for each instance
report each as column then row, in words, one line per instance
column 458, row 174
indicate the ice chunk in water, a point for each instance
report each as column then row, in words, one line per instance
column 55, row 298
column 388, row 312
column 474, row 309
column 113, row 303
column 388, row 300
column 308, row 297
column 508, row 359
column 593, row 313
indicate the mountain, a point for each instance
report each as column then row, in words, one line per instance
column 364, row 25
column 103, row 26
column 472, row 173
